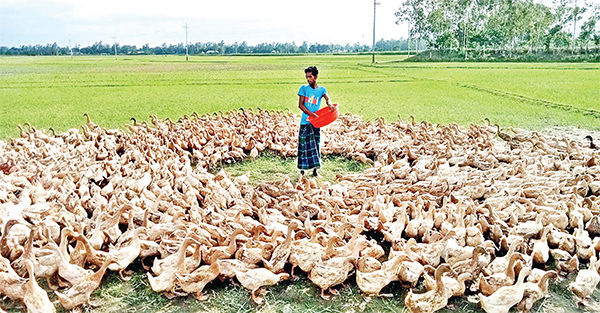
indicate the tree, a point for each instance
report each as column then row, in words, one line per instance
column 588, row 28
column 303, row 48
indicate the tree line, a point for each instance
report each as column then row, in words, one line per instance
column 101, row 48
column 508, row 25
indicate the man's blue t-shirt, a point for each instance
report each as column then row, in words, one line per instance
column 312, row 100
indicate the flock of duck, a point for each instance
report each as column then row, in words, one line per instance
column 457, row 212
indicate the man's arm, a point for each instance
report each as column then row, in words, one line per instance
column 303, row 108
column 328, row 102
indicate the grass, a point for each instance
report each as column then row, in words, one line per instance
column 56, row 91
column 270, row 167
column 288, row 296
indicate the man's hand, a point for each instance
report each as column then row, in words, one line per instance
column 331, row 107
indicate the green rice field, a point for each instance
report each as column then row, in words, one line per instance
column 56, row 91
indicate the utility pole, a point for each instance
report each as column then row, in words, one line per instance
column 186, row 41
column 71, row 48
column 115, row 39
column 375, row 3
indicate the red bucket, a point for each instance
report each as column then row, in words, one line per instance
column 324, row 116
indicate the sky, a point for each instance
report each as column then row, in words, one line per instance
column 153, row 22
column 134, row 22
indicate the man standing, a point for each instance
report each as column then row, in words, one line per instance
column 309, row 137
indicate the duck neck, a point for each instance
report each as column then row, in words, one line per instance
column 88, row 248
column 352, row 241
column 439, row 284
column 288, row 238
column 62, row 258
column 314, row 235
column 330, row 243
column 28, row 253
column 181, row 254
column 475, row 259
column 97, row 276
column 232, row 242
column 510, row 269
column 521, row 278
column 461, row 282
column 543, row 283
column 4, row 237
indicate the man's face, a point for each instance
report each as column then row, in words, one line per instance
column 310, row 78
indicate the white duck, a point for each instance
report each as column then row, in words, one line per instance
column 586, row 281
column 506, row 297
column 34, row 297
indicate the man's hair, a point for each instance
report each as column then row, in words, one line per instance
column 312, row 69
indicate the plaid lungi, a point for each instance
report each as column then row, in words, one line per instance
column 309, row 153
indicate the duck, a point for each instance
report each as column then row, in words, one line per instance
column 45, row 265
column 583, row 243
column 70, row 272
column 98, row 237
column 168, row 268
column 593, row 226
column 529, row 228
column 280, row 255
column 506, row 297
column 592, row 144
column 333, row 271
column 371, row 283
column 224, row 252
column 34, row 297
column 195, row 281
column 368, row 264
column 254, row 279
column 258, row 248
column 410, row 271
column 64, row 240
column 171, row 256
column 535, row 291
column 475, row 265
column 306, row 252
column 488, row 285
column 454, row 252
column 11, row 284
column 250, row 254
column 92, row 256
column 586, row 281
column 5, row 250
column 474, row 234
column 540, row 251
column 562, row 240
column 126, row 254
column 28, row 254
column 432, row 300
column 226, row 267
column 500, row 264
column 455, row 287
column 80, row 292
